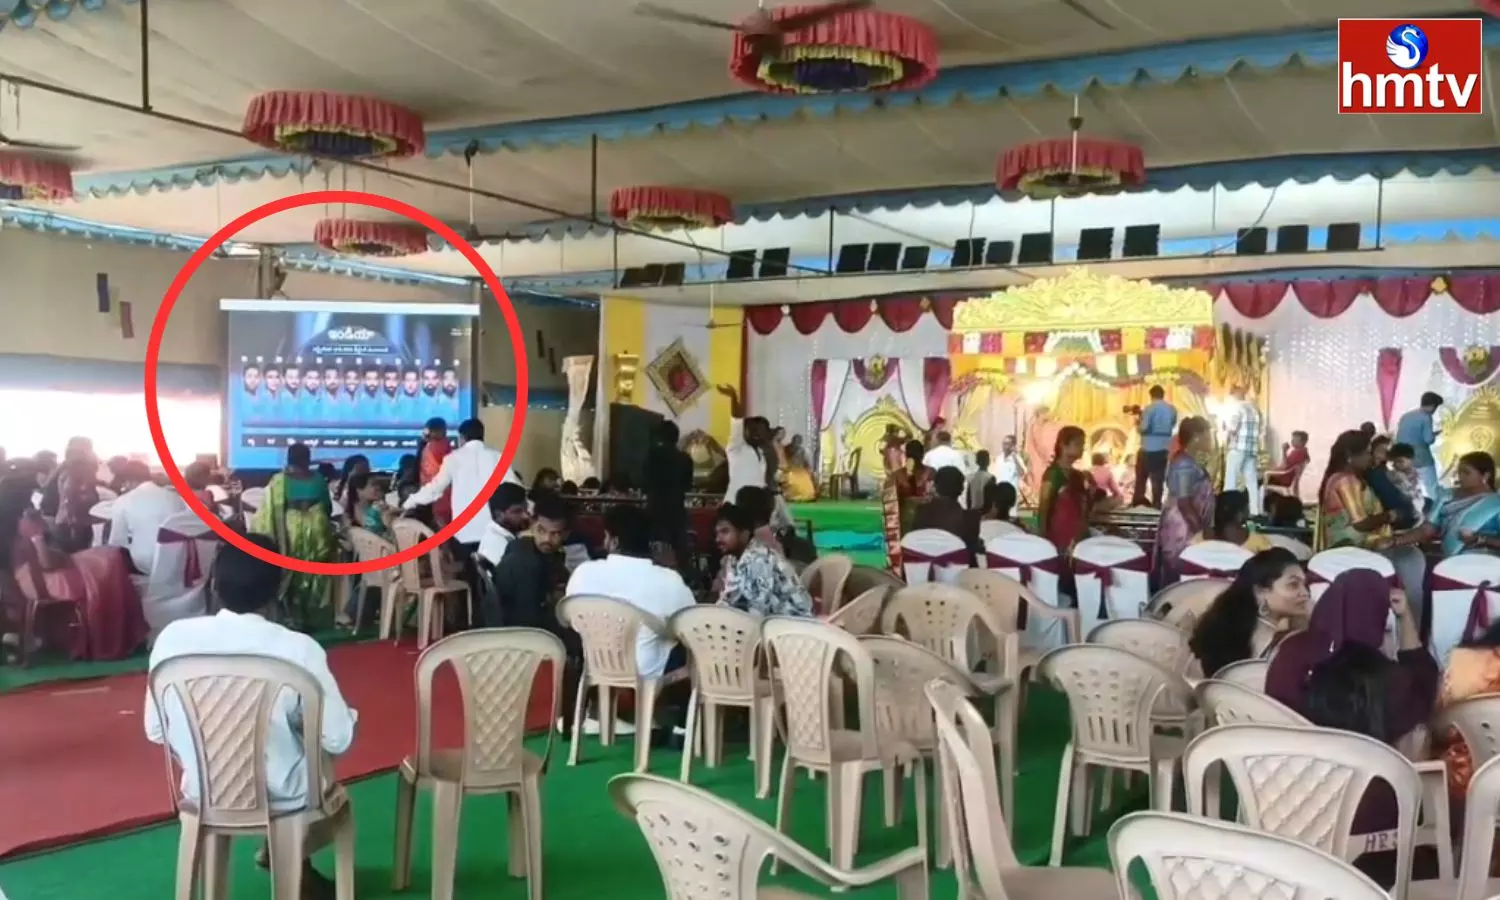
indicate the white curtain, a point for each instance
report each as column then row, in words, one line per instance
column 910, row 389
column 833, row 387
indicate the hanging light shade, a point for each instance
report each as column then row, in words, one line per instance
column 356, row 237
column 1070, row 166
column 24, row 177
column 668, row 207
column 330, row 124
column 861, row 50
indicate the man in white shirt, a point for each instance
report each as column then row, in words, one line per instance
column 1242, row 449
column 744, row 452
column 1009, row 467
column 139, row 513
column 944, row 454
column 629, row 574
column 510, row 515
column 245, row 585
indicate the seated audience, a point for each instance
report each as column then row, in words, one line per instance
column 97, row 581
column 529, row 574
column 509, row 516
column 628, row 574
column 1336, row 675
column 1378, row 476
column 590, row 485
column 760, row 505
column 1283, row 479
column 364, row 506
column 358, row 464
column 945, row 512
column 1473, row 670
column 1267, row 599
column 1231, row 522
column 1000, row 498
column 977, row 482
column 139, row 514
column 1285, row 511
column 547, row 480
column 756, row 578
column 70, row 495
column 407, row 479
column 245, row 587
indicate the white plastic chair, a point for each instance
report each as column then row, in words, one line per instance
column 928, row 554
column 252, row 499
column 1247, row 673
column 1324, row 567
column 1212, row 559
column 1465, row 599
column 1291, row 545
column 1192, row 858
column 1035, row 563
column 1474, row 881
column 100, row 514
column 1306, row 784
column 177, row 586
column 989, row 529
column 1112, row 578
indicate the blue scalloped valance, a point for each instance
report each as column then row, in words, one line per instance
column 24, row 13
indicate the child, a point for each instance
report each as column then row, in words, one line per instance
column 1403, row 473
column 1104, row 480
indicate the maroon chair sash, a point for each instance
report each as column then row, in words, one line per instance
column 1187, row 567
column 1052, row 566
column 1315, row 578
column 192, row 570
column 1479, row 604
column 1108, row 573
column 958, row 557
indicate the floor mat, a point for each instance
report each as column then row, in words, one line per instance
column 74, row 755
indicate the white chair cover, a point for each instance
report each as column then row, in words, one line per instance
column 1324, row 567
column 1297, row 548
column 252, row 499
column 990, row 529
column 1212, row 559
column 107, row 495
column 100, row 514
column 1112, row 578
column 1465, row 600
column 928, row 554
column 177, row 586
column 1035, row 562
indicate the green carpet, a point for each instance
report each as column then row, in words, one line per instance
column 589, row 849
column 840, row 515
column 48, row 668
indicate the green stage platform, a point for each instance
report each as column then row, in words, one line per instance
column 853, row 527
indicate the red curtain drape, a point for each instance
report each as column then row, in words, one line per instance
column 900, row 314
column 937, row 371
column 818, row 381
column 1387, row 376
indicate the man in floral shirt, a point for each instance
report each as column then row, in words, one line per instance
column 756, row 578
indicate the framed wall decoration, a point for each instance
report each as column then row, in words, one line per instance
column 677, row 377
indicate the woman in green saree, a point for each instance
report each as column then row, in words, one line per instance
column 298, row 514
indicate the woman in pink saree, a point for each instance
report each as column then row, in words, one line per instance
column 96, row 582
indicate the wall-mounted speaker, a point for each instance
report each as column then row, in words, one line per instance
column 632, row 277
column 1141, row 240
column 773, row 262
column 884, row 257
column 1251, row 241
column 1035, row 248
column 741, row 265
column 852, row 258
column 652, row 275
column 967, row 252
column 1291, row 239
column 1096, row 244
column 999, row 253
column 672, row 274
column 914, row 257
column 1343, row 237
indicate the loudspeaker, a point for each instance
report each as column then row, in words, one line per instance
column 773, row 262
column 852, row 258
column 967, row 252
column 1291, row 239
column 1036, row 248
column 1141, row 240
column 741, row 265
column 672, row 274
column 652, row 275
column 631, row 430
column 883, row 257
column 1096, row 244
column 1343, row 237
column 999, row 253
column 632, row 277
column 1250, row 241
column 915, row 257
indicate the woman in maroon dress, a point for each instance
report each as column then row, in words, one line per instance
column 95, row 582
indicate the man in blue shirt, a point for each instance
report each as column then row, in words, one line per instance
column 1158, row 424
column 1415, row 429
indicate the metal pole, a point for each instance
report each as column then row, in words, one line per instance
column 146, row 55
column 594, row 174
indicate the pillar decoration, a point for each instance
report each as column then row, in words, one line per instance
column 577, row 462
column 627, row 366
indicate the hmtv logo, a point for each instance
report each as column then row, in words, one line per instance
column 1428, row 66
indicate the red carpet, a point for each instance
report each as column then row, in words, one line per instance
column 75, row 758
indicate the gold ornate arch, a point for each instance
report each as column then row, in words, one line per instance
column 1080, row 300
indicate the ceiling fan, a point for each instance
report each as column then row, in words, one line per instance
column 763, row 32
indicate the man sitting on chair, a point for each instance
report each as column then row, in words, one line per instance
column 244, row 586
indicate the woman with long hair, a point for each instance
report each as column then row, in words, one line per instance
column 1064, row 498
column 798, row 484
column 96, row 581
column 912, row 483
column 1267, row 599
column 1349, row 515
column 338, row 487
column 1232, row 522
column 298, row 515
column 1189, row 506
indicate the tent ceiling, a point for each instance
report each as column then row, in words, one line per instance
column 465, row 63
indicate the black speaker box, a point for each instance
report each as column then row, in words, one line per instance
column 1251, row 241
column 1141, row 240
column 1343, row 237
column 999, row 253
column 741, row 265
column 967, row 252
column 852, row 258
column 884, row 257
column 1095, row 244
column 1035, row 248
column 631, row 429
column 914, row 257
column 1291, row 239
column 773, row 262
